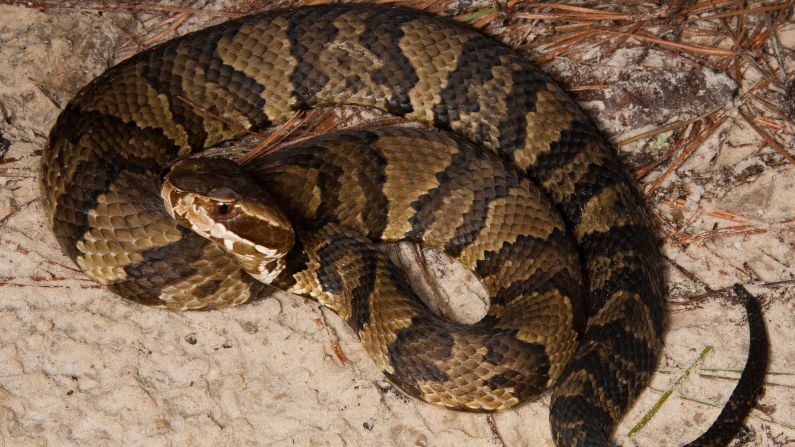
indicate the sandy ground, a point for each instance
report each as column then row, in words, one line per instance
column 79, row 366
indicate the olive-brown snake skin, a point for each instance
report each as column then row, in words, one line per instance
column 538, row 207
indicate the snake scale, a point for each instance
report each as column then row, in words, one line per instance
column 515, row 183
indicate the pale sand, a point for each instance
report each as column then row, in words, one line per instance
column 79, row 366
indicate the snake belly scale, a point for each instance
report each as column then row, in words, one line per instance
column 537, row 150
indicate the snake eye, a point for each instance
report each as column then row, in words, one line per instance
column 222, row 209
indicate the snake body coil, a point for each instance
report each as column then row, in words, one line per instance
column 105, row 154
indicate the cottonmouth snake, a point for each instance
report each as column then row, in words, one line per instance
column 544, row 215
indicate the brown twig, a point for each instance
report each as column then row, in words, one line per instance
column 268, row 144
column 694, row 144
column 231, row 124
column 698, row 49
column 778, row 147
column 175, row 22
column 133, row 6
column 746, row 11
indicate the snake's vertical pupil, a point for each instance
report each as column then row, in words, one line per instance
column 222, row 208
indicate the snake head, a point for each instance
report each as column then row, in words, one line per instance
column 220, row 202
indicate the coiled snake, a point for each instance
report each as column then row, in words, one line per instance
column 540, row 210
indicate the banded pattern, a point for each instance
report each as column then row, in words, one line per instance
column 108, row 147
column 394, row 184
